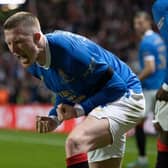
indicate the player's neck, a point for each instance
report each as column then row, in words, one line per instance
column 42, row 58
column 42, row 54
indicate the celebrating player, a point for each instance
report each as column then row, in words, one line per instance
column 88, row 80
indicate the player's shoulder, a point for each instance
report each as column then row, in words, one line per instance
column 56, row 36
column 152, row 39
column 156, row 39
column 154, row 35
column 60, row 34
column 64, row 38
column 58, row 39
column 157, row 36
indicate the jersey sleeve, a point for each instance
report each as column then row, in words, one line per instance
column 113, row 90
column 147, row 51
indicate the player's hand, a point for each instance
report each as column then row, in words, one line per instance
column 162, row 95
column 161, row 106
column 65, row 112
column 45, row 124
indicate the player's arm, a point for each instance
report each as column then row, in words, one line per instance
column 148, row 59
column 113, row 90
column 160, row 19
column 162, row 93
column 109, row 93
column 45, row 124
column 161, row 105
column 149, row 67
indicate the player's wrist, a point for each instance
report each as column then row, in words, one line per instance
column 55, row 118
column 79, row 110
column 165, row 87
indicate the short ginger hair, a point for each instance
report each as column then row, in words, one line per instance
column 25, row 19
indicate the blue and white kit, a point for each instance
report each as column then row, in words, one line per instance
column 77, row 66
column 153, row 47
column 81, row 72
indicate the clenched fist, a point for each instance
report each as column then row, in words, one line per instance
column 66, row 112
column 162, row 95
column 46, row 124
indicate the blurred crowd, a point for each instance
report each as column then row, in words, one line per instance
column 107, row 22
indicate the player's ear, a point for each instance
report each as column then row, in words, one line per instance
column 37, row 37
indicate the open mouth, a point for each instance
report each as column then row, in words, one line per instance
column 23, row 59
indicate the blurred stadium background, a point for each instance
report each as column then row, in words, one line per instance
column 107, row 22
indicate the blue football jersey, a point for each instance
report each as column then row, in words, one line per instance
column 80, row 71
column 160, row 15
column 153, row 47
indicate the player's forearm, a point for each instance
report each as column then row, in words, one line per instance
column 144, row 74
column 52, row 112
column 108, row 94
column 59, row 100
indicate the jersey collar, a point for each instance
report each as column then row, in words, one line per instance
column 148, row 32
column 47, row 54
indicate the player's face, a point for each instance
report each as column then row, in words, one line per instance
column 22, row 45
column 141, row 25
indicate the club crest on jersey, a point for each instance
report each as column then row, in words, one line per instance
column 91, row 68
column 71, row 96
column 66, row 78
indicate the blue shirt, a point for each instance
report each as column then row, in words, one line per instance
column 160, row 15
column 76, row 68
column 153, row 47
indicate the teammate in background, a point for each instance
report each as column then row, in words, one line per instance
column 152, row 58
column 88, row 80
column 160, row 14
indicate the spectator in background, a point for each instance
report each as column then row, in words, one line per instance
column 4, row 95
column 152, row 59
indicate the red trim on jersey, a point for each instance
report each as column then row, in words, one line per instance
column 79, row 158
column 161, row 147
